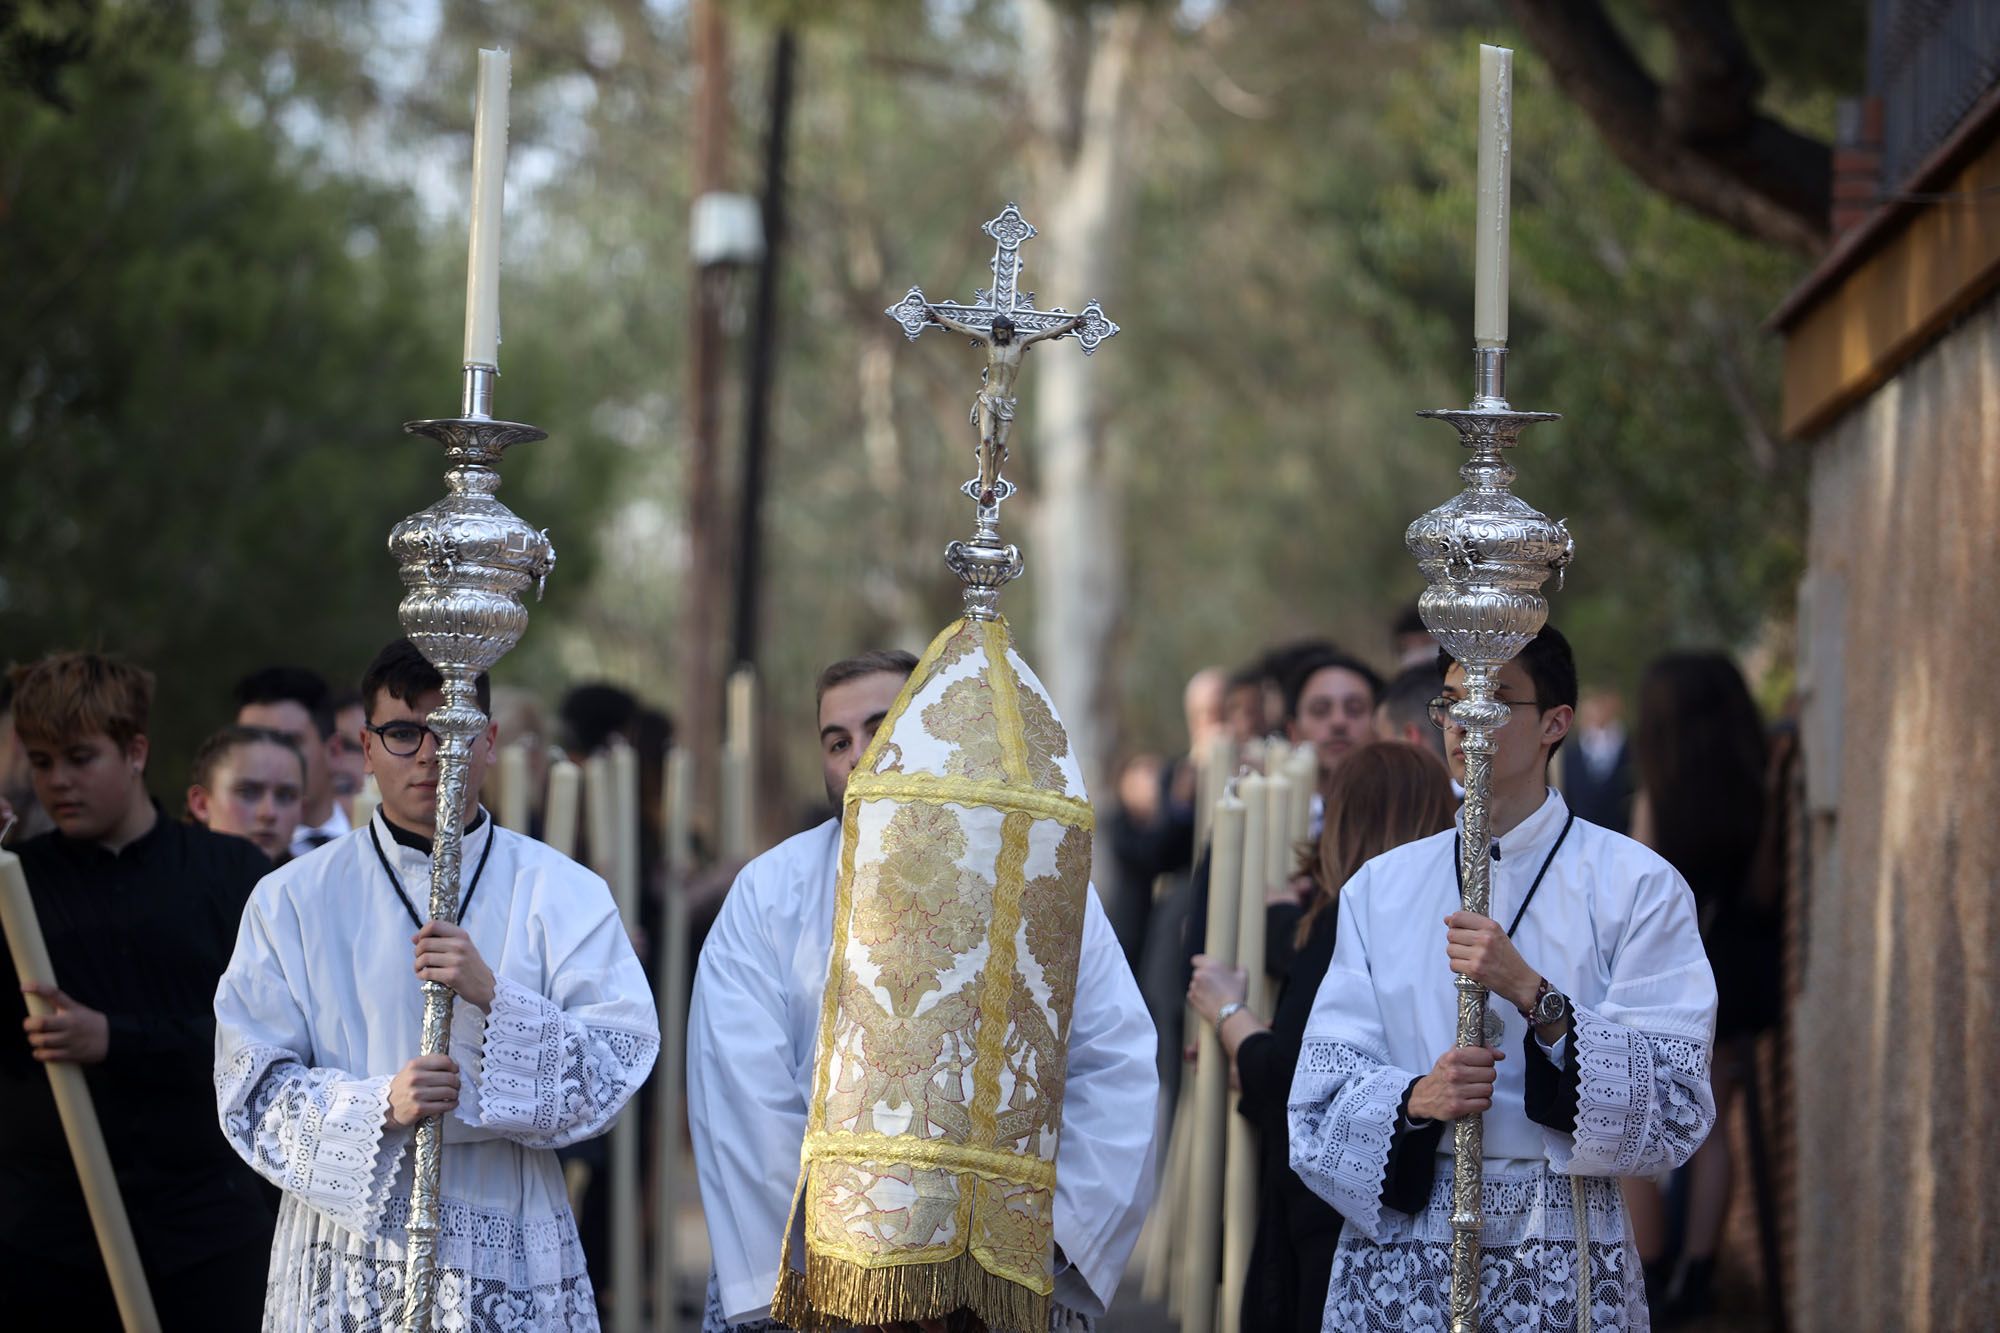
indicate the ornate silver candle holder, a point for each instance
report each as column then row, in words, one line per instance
column 465, row 562
column 1484, row 554
column 1004, row 321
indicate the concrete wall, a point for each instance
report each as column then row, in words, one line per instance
column 1897, row 1030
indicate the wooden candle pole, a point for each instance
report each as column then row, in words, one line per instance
column 78, row 1113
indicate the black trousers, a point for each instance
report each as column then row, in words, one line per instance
column 222, row 1294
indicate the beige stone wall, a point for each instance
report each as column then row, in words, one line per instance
column 1898, row 1027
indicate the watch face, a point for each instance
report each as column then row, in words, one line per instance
column 1554, row 1007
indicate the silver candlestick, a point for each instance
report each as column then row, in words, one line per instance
column 1004, row 321
column 1484, row 554
column 465, row 562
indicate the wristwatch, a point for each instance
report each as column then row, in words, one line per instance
column 1551, row 1006
column 1227, row 1012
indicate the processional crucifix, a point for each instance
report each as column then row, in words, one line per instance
column 1004, row 321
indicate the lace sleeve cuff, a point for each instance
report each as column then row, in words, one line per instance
column 1343, row 1115
column 315, row 1133
column 1643, row 1102
column 521, row 1060
column 548, row 1079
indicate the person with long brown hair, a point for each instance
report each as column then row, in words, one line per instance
column 1701, row 759
column 1383, row 795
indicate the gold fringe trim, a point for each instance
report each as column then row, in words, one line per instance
column 833, row 1294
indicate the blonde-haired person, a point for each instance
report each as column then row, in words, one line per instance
column 1383, row 795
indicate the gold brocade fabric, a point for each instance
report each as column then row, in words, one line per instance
column 929, row 1171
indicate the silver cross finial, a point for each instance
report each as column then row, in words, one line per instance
column 1005, row 297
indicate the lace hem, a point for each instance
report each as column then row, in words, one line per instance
column 325, row 1287
column 546, row 1080
column 314, row 1133
column 1342, row 1113
column 1643, row 1102
column 1405, row 1287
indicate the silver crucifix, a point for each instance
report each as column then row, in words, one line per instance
column 1004, row 321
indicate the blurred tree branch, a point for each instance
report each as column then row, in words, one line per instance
column 1699, row 137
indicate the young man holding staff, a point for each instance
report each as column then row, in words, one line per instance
column 1596, row 1067
column 318, row 1018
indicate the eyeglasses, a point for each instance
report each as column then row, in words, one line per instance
column 1440, row 709
column 402, row 739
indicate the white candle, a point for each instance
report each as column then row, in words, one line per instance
column 559, row 823
column 600, row 809
column 1230, row 844
column 489, row 174
column 1496, row 148
column 514, row 793
column 679, row 786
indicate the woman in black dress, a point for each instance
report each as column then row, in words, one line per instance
column 1384, row 795
column 1701, row 752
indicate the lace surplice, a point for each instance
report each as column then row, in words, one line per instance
column 1643, row 1104
column 320, row 987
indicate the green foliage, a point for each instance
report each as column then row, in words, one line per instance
column 234, row 268
column 210, row 348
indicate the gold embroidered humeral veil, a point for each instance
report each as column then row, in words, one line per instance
column 929, row 1170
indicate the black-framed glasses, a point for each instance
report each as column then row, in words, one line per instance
column 402, row 739
column 1440, row 709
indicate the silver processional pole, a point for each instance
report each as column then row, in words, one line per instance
column 1484, row 554
column 465, row 562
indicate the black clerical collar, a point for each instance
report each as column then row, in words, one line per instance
column 417, row 842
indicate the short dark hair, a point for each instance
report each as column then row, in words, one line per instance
column 405, row 674
column 591, row 714
column 1309, row 665
column 217, row 747
column 1550, row 665
column 290, row 685
column 1408, row 696
column 1410, row 620
column 863, row 664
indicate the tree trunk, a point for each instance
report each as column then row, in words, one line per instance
column 1077, row 79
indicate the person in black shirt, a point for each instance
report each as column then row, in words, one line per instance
column 140, row 914
column 1384, row 795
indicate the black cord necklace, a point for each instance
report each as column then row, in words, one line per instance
column 1459, row 873
column 397, row 884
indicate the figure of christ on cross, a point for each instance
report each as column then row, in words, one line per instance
column 993, row 407
column 1003, row 320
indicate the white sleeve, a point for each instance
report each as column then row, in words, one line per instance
column 1346, row 1095
column 1643, row 1098
column 315, row 1132
column 746, row 1113
column 1111, row 1089
column 555, row 1068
